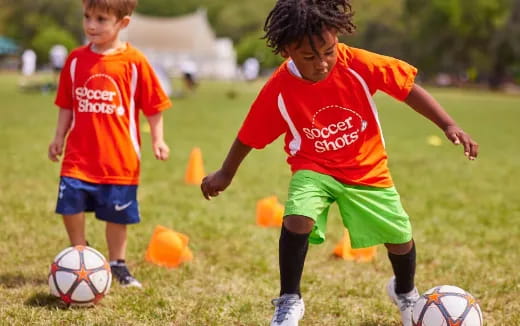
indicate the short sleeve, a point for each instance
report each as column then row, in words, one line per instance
column 64, row 96
column 264, row 122
column 150, row 96
column 390, row 75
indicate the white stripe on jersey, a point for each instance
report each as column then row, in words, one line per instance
column 132, row 123
column 370, row 101
column 72, row 76
column 296, row 143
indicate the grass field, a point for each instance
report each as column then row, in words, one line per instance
column 465, row 217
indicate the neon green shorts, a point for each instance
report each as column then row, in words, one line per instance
column 372, row 215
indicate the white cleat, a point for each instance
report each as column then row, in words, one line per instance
column 404, row 301
column 289, row 309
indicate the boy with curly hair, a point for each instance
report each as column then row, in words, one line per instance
column 320, row 98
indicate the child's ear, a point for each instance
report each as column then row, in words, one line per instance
column 284, row 53
column 125, row 21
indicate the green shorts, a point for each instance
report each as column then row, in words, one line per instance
column 372, row 215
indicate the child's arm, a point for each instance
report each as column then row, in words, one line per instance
column 218, row 181
column 62, row 127
column 159, row 146
column 421, row 101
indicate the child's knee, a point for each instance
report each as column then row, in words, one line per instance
column 399, row 248
column 298, row 223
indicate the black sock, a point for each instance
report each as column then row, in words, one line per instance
column 404, row 270
column 292, row 251
column 118, row 262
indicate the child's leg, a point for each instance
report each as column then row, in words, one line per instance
column 293, row 247
column 116, row 241
column 402, row 257
column 75, row 226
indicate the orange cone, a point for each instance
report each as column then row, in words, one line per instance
column 269, row 212
column 345, row 251
column 168, row 248
column 195, row 169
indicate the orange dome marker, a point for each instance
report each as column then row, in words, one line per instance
column 345, row 251
column 168, row 248
column 195, row 169
column 269, row 212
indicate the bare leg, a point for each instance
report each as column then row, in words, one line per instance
column 298, row 224
column 116, row 240
column 399, row 249
column 75, row 226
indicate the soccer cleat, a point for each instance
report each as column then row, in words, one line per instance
column 123, row 276
column 404, row 301
column 289, row 309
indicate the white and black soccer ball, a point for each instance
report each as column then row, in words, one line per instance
column 80, row 276
column 447, row 305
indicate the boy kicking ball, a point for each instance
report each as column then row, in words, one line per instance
column 320, row 99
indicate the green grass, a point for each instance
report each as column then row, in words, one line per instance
column 465, row 217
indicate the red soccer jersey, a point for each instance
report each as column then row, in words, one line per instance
column 105, row 93
column 331, row 126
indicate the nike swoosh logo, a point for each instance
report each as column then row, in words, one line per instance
column 122, row 207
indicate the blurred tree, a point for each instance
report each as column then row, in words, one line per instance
column 454, row 35
column 239, row 18
column 253, row 45
column 24, row 19
column 380, row 27
column 472, row 37
column 50, row 35
column 505, row 48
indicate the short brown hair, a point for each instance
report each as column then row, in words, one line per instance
column 120, row 8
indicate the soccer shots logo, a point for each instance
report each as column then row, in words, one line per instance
column 99, row 94
column 334, row 128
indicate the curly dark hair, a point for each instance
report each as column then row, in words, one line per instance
column 292, row 20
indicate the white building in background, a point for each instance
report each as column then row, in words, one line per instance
column 170, row 41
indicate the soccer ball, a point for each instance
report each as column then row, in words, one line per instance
column 446, row 305
column 80, row 276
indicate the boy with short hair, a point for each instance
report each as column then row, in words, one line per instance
column 320, row 98
column 102, row 88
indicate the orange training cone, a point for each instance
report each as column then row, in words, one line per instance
column 345, row 251
column 195, row 169
column 269, row 212
column 168, row 248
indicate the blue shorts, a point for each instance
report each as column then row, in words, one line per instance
column 111, row 203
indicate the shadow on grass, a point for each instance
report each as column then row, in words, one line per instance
column 50, row 302
column 45, row 300
column 12, row 280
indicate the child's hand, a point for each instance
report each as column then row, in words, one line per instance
column 161, row 150
column 55, row 149
column 214, row 183
column 458, row 136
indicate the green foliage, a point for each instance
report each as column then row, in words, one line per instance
column 23, row 19
column 254, row 46
column 50, row 35
column 380, row 27
column 453, row 35
column 435, row 35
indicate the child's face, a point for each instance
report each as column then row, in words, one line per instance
column 101, row 27
column 314, row 66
